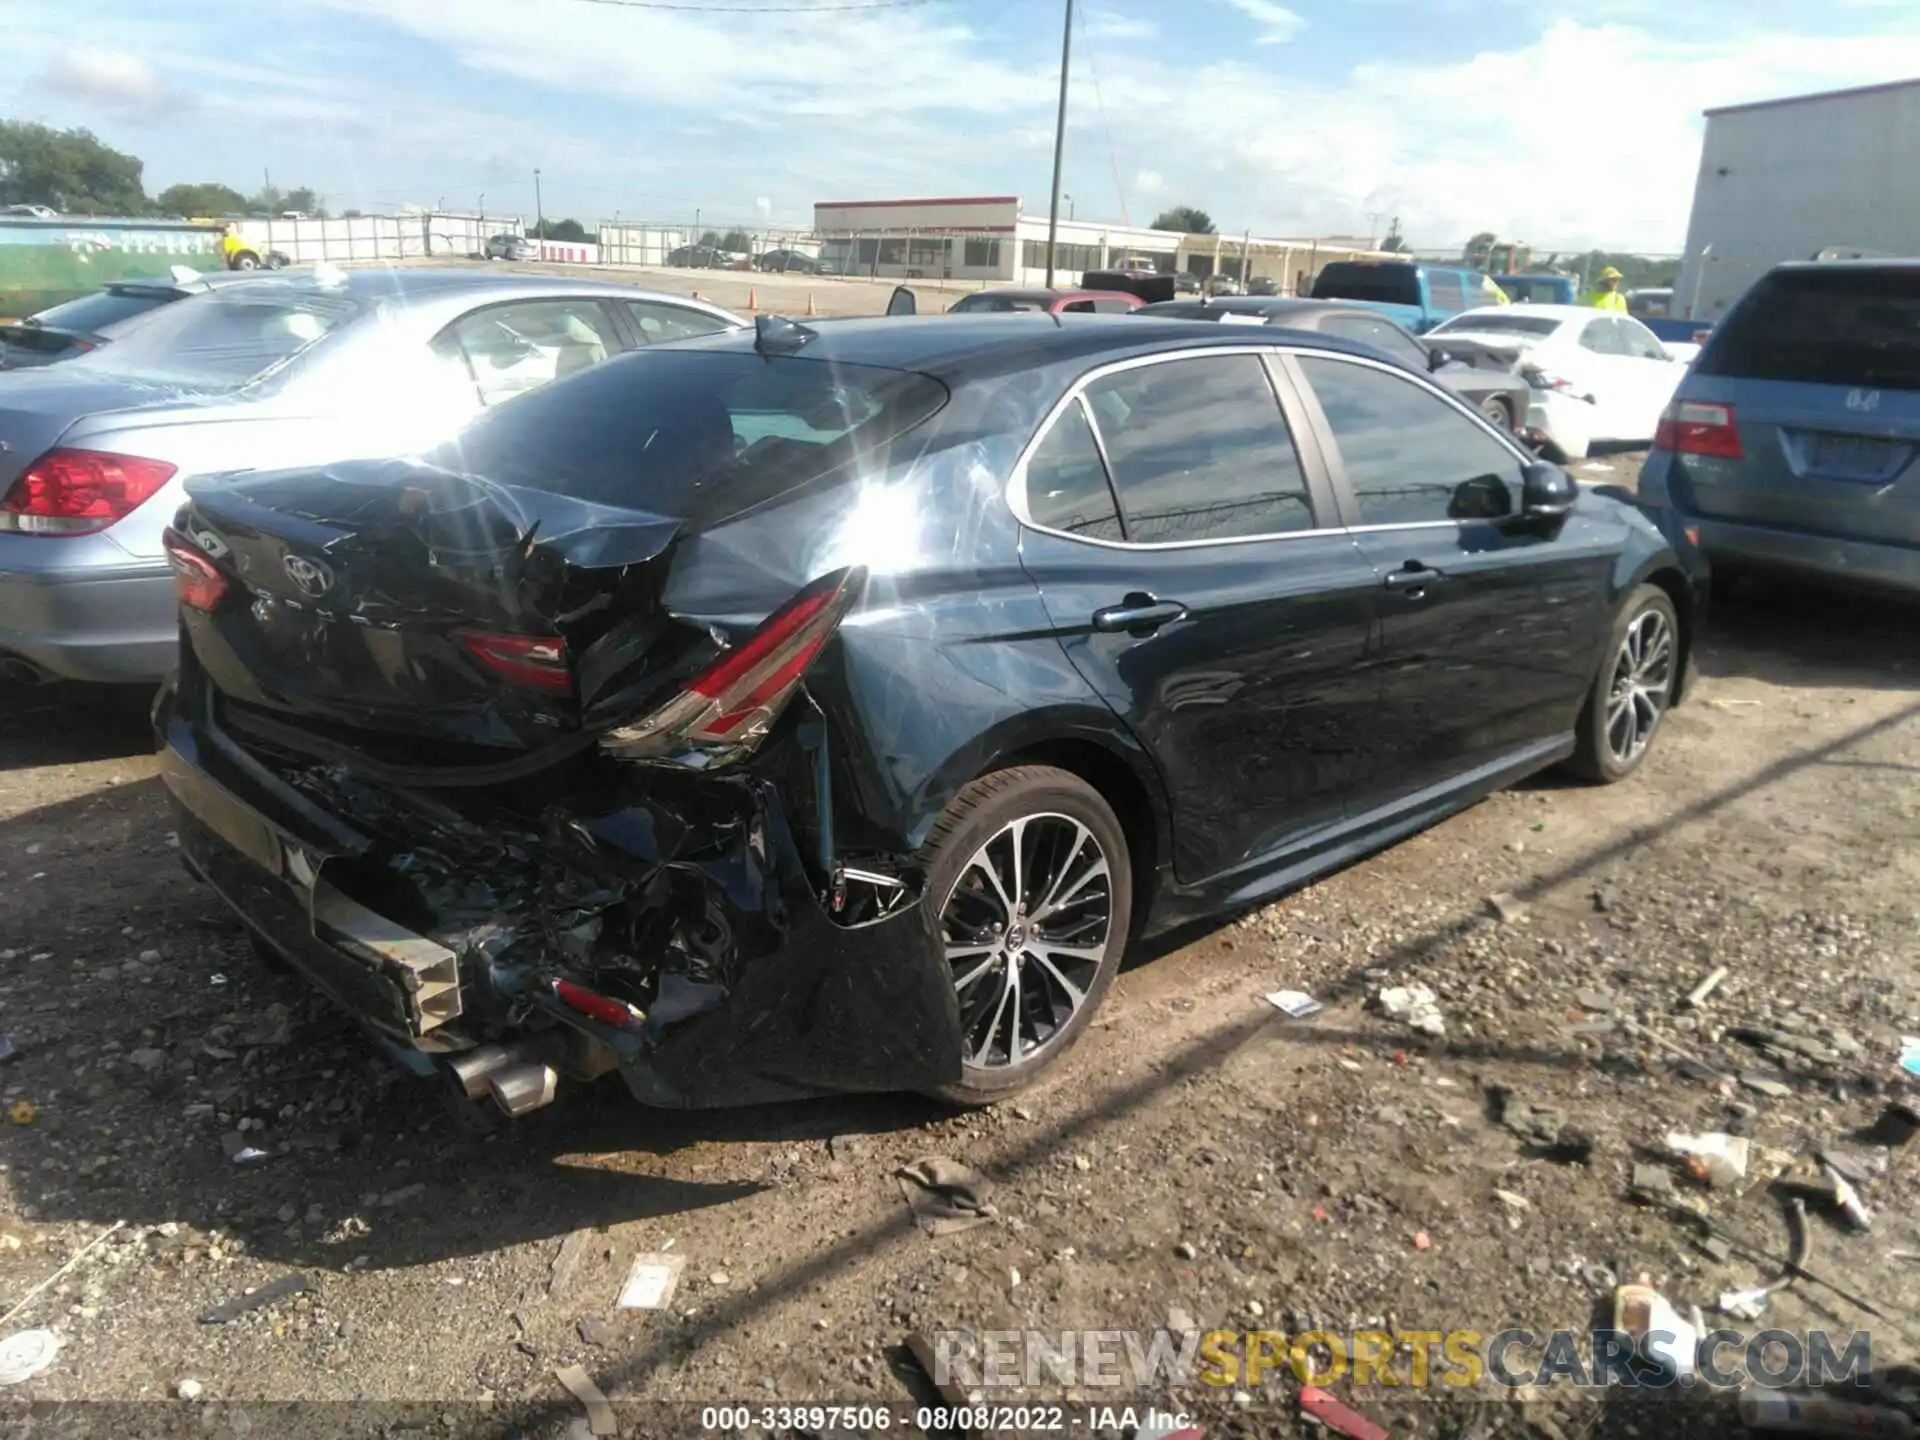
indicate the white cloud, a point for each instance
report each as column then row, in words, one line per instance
column 115, row 80
column 1275, row 22
column 1112, row 25
column 1148, row 183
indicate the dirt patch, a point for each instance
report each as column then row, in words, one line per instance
column 1202, row 1157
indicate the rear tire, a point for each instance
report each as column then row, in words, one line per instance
column 246, row 260
column 1497, row 413
column 1632, row 691
column 1030, row 891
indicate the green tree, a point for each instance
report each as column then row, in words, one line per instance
column 736, row 241
column 207, row 199
column 709, row 238
column 1184, row 217
column 1395, row 241
column 303, row 199
column 570, row 231
column 69, row 170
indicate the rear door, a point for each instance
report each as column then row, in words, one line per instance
column 1603, row 371
column 1822, row 370
column 1488, row 627
column 1181, row 533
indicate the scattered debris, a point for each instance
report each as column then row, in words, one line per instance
column 1422, row 1241
column 9, row 1051
column 1512, row 1200
column 256, row 1299
column 1296, row 1003
column 946, row 1196
column 600, row 1419
column 72, row 1260
column 1714, row 1158
column 240, row 1152
column 1910, row 1054
column 1809, row 1412
column 1698, row 995
column 26, row 1354
column 1744, row 1304
column 1657, row 1330
column 1765, row 1085
column 1416, row 1005
column 1598, row 1001
column 1847, row 1201
column 22, row 1112
column 1653, row 1181
column 1542, row 1127
column 1185, row 1251
column 921, row 1349
column 846, row 1147
column 1337, row 1417
column 1507, row 909
column 599, row 1333
column 1896, row 1125
column 566, row 1260
column 189, row 1389
column 1715, row 1248
column 1849, row 1166
column 651, row 1281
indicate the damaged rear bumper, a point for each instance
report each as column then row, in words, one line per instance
column 798, row 1004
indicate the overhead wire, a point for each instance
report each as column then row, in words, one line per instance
column 1093, row 74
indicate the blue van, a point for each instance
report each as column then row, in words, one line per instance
column 1793, row 443
column 1416, row 294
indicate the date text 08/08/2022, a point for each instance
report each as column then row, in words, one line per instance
column 1016, row 1419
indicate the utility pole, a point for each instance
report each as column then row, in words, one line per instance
column 1059, row 140
column 539, row 215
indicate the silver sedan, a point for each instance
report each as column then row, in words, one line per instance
column 282, row 371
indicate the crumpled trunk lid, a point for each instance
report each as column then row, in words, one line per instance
column 383, row 603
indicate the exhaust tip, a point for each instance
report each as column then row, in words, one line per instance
column 519, row 1089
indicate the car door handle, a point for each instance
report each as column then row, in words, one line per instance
column 1138, row 614
column 1412, row 579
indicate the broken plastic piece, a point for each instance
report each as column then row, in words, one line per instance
column 1744, row 1304
column 1338, row 1417
column 25, row 1355
column 1847, row 1201
column 1716, row 1158
column 600, row 1418
column 1296, row 1003
column 268, row 1294
column 9, row 1052
column 1645, row 1316
column 652, row 1281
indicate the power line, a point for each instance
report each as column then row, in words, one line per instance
column 837, row 7
column 1113, row 159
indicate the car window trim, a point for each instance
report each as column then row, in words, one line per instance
column 1335, row 463
column 1309, row 454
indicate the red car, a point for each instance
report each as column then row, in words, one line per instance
column 1047, row 302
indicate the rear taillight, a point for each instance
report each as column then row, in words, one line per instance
column 731, row 704
column 77, row 492
column 198, row 580
column 1695, row 427
column 539, row 662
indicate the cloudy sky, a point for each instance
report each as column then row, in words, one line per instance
column 1552, row 122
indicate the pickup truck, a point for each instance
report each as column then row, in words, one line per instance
column 1418, row 295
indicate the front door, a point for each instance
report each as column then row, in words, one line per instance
column 1489, row 627
column 1201, row 585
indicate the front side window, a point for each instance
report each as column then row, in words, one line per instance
column 1411, row 457
column 515, row 348
column 1200, row 450
column 1067, row 486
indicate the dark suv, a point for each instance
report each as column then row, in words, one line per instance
column 1792, row 443
column 826, row 708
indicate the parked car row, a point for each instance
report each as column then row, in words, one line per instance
column 570, row 680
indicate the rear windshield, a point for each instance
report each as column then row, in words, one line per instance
column 689, row 432
column 1826, row 327
column 999, row 303
column 227, row 338
column 96, row 312
column 1383, row 284
column 1492, row 322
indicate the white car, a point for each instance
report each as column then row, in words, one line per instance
column 1596, row 376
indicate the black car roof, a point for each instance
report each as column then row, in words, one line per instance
column 948, row 345
column 1269, row 305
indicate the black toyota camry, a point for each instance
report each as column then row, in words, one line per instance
column 826, row 707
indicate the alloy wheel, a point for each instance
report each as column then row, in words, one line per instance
column 1642, row 682
column 1025, row 929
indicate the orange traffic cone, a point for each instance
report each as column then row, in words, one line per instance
column 752, row 302
column 810, row 309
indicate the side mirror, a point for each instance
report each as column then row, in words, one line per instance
column 1436, row 357
column 1546, row 491
column 903, row 302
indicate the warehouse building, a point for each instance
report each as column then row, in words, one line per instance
column 993, row 239
column 1789, row 179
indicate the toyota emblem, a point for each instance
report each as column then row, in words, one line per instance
column 311, row 576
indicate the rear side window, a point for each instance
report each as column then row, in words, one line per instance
column 1378, row 332
column 1825, row 327
column 512, row 349
column 994, row 304
column 1382, row 284
column 693, row 433
column 657, row 321
column 1410, row 457
column 1200, row 451
column 1067, row 486
column 1602, row 336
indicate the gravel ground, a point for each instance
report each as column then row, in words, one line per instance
column 1202, row 1160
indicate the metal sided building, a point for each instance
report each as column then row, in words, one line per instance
column 1787, row 179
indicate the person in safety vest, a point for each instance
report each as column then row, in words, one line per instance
column 1606, row 293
